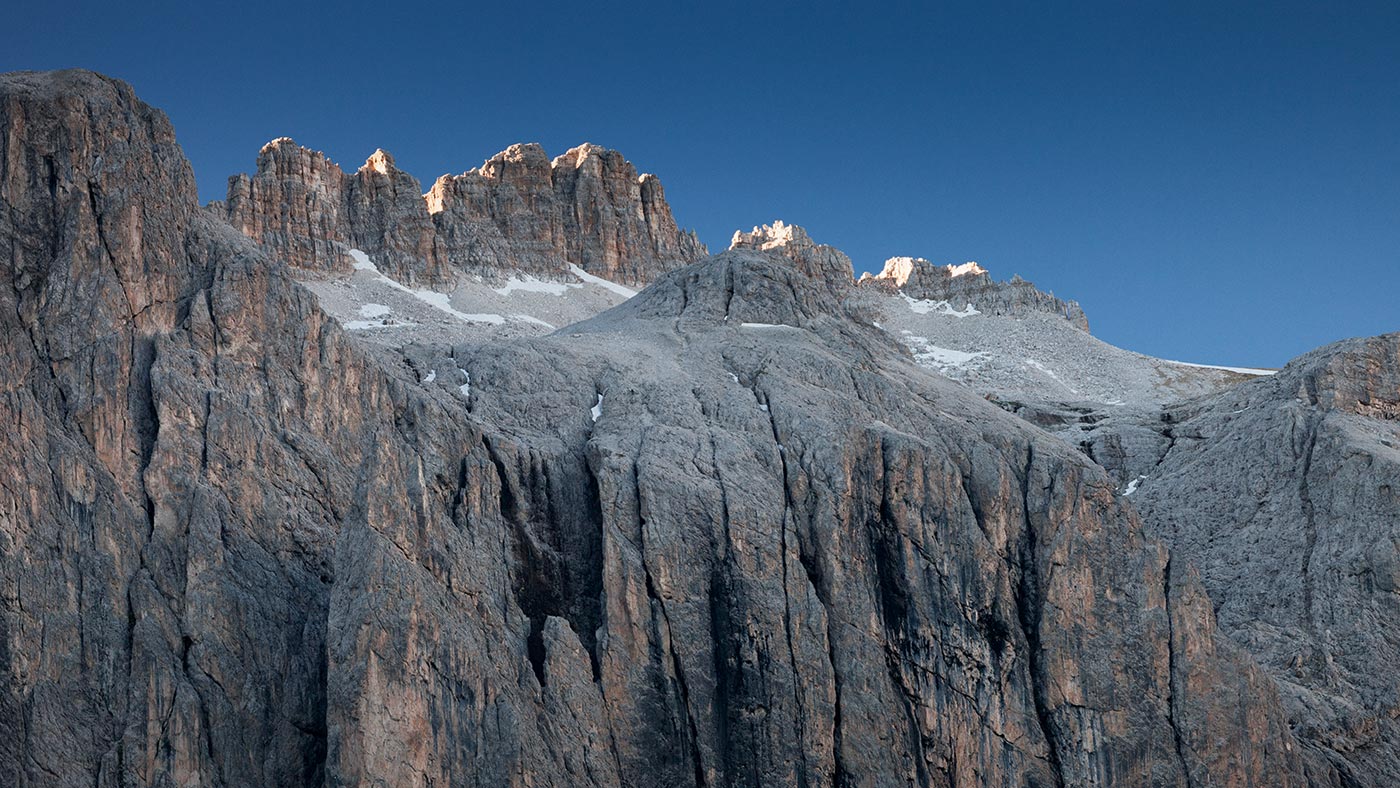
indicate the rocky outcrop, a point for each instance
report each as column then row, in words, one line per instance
column 823, row 263
column 301, row 207
column 1283, row 492
column 518, row 212
column 721, row 534
column 970, row 284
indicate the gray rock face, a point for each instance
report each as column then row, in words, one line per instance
column 820, row 262
column 970, row 284
column 1283, row 492
column 518, row 212
column 720, row 534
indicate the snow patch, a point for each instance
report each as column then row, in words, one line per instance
column 768, row 325
column 432, row 376
column 442, row 302
column 362, row 261
column 1133, row 485
column 924, row 306
column 379, row 322
column 941, row 358
column 625, row 292
column 439, row 301
column 466, row 387
column 533, row 319
column 1240, row 370
column 374, row 310
column 597, row 409
column 528, row 284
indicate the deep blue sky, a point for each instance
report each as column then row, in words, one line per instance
column 1214, row 182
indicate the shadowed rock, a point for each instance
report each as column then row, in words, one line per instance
column 721, row 534
column 1283, row 492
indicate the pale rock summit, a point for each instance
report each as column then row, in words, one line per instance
column 903, row 269
column 819, row 261
column 303, row 208
column 971, row 284
column 518, row 212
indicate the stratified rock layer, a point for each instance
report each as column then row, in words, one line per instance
column 969, row 284
column 720, row 534
column 518, row 212
column 1284, row 492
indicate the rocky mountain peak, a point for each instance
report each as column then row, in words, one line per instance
column 772, row 236
column 901, row 270
column 521, row 161
column 969, row 284
column 381, row 162
column 818, row 261
column 518, row 212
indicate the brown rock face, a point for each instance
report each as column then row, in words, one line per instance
column 300, row 206
column 518, row 212
column 720, row 535
column 970, row 284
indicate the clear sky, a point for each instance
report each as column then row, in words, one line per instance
column 1214, row 182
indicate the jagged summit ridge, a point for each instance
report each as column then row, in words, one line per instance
column 819, row 261
column 969, row 284
column 519, row 211
column 903, row 269
column 967, row 288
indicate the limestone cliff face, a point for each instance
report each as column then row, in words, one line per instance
column 970, row 284
column 518, row 212
column 1283, row 492
column 305, row 210
column 588, row 207
column 721, row 534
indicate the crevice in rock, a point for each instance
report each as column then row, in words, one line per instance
column 534, row 647
column 789, row 512
column 206, row 719
column 692, row 732
column 723, row 662
column 1309, row 523
column 728, row 288
column 507, row 497
column 1172, row 688
column 892, row 588
column 1028, row 606
column 556, row 545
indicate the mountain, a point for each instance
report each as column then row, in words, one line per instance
column 730, row 529
column 517, row 212
column 1283, row 492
